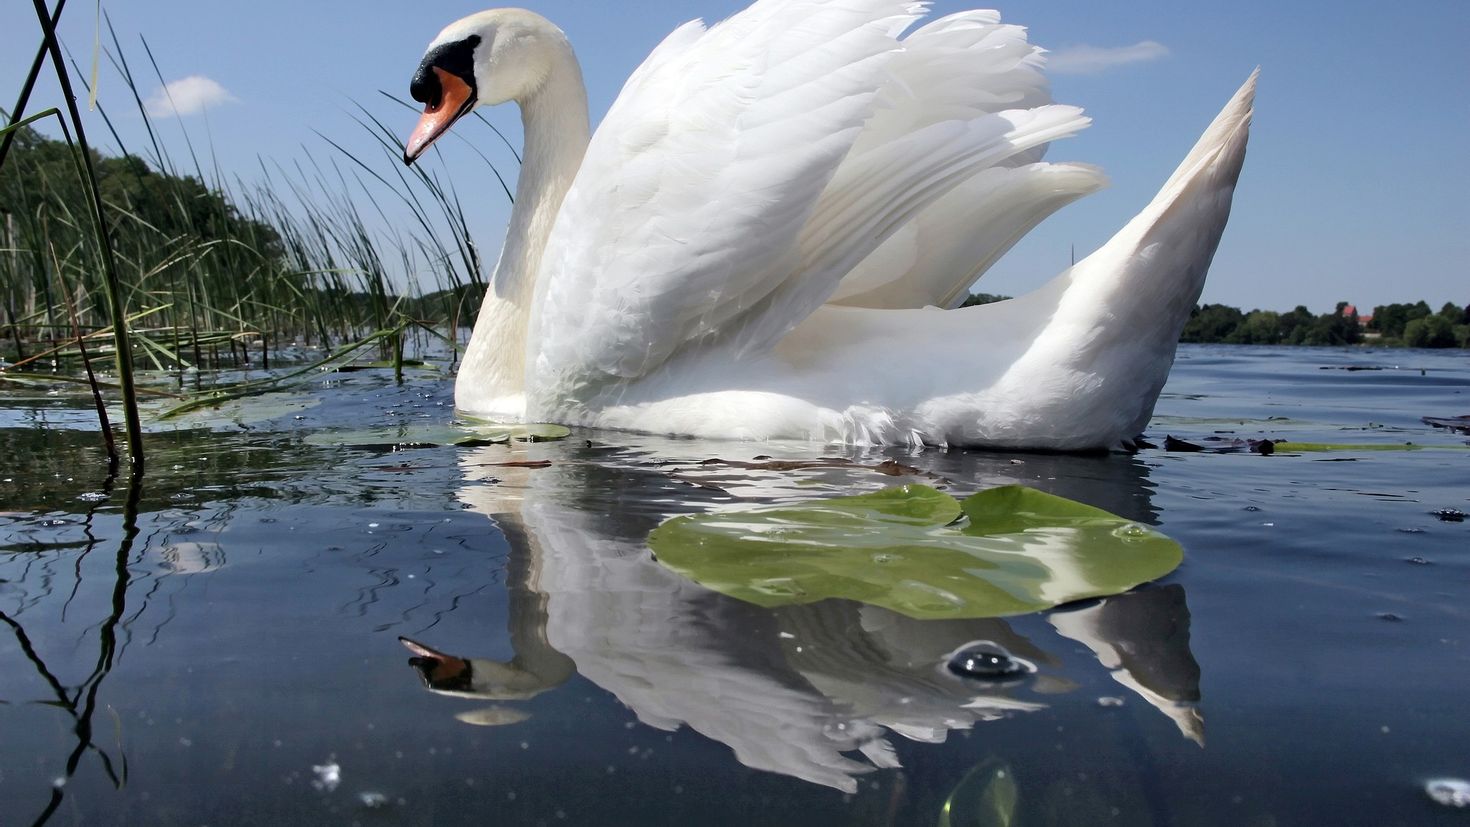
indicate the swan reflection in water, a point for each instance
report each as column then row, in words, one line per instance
column 815, row 691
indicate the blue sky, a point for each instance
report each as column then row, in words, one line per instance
column 1355, row 189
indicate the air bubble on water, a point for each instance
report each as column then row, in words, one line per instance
column 988, row 661
column 1109, row 701
column 372, row 800
column 1450, row 792
column 92, row 497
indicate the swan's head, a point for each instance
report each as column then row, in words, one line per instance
column 485, row 59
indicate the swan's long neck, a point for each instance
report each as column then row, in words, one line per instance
column 554, row 117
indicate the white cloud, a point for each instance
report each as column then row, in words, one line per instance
column 1089, row 60
column 187, row 96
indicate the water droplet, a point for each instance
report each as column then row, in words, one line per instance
column 1131, row 531
column 984, row 660
column 1418, row 561
column 1451, row 792
column 927, row 599
column 328, row 776
column 882, row 558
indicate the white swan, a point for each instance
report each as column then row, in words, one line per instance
column 756, row 241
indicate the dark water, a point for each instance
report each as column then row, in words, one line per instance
column 219, row 644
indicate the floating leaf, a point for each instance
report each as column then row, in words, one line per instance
column 528, row 432
column 1018, row 550
column 1327, row 447
column 430, row 436
column 244, row 412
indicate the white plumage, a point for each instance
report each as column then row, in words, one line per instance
column 748, row 244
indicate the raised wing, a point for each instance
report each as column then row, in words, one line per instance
column 689, row 205
column 961, row 67
column 747, row 169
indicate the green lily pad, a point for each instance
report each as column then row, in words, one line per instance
column 232, row 413
column 1018, row 550
column 430, row 436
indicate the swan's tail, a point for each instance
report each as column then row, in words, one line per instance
column 1127, row 303
column 1149, row 276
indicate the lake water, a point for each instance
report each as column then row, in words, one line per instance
column 219, row 645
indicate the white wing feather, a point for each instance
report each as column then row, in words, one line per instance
column 690, row 201
column 960, row 67
column 746, row 169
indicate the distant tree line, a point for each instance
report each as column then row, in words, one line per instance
column 1404, row 325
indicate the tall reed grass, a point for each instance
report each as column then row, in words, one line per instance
column 207, row 270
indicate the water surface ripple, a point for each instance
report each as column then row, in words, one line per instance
column 218, row 642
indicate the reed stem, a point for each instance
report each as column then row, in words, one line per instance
column 104, row 238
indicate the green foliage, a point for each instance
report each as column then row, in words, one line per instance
column 41, row 178
column 1409, row 324
column 182, row 248
column 1211, row 323
column 983, row 298
column 1391, row 319
column 1430, row 331
column 1260, row 327
column 1017, row 550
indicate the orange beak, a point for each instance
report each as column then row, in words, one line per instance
column 456, row 98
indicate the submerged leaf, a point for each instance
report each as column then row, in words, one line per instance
column 1019, row 550
column 988, row 795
